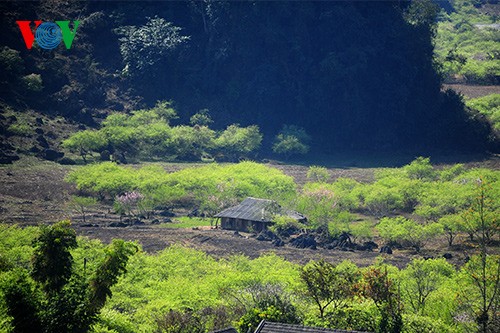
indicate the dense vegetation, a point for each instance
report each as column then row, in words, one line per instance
column 183, row 290
column 433, row 202
column 45, row 287
column 321, row 65
column 467, row 42
column 489, row 106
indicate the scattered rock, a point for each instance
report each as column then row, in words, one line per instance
column 278, row 242
column 304, row 241
column 52, row 135
column 89, row 225
column 155, row 221
column 237, row 234
column 8, row 159
column 66, row 161
column 167, row 220
column 428, row 257
column 118, row 225
column 386, row 249
column 34, row 149
column 266, row 235
column 42, row 141
column 39, row 121
column 167, row 213
column 52, row 155
column 39, row 131
column 105, row 155
column 370, row 245
column 448, row 256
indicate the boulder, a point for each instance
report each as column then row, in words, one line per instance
column 266, row 235
column 278, row 242
column 448, row 256
column 304, row 241
column 386, row 249
column 52, row 155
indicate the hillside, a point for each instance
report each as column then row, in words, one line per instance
column 319, row 65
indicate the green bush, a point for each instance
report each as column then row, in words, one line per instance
column 407, row 232
column 292, row 140
column 32, row 82
column 237, row 142
column 318, row 174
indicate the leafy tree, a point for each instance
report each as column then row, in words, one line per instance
column 407, row 232
column 421, row 278
column 318, row 174
column 265, row 300
column 484, row 270
column 191, row 143
column 81, row 204
column 143, row 47
column 291, row 140
column 481, row 218
column 238, row 141
column 488, row 105
column 86, row 142
column 56, row 297
column 377, row 286
column 452, row 226
column 327, row 284
column 22, row 302
column 201, row 118
column 420, row 168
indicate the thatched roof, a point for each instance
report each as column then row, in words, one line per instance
column 226, row 330
column 252, row 209
column 270, row 327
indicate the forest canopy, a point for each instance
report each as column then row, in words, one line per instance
column 319, row 64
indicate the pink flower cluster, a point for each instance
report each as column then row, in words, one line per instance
column 129, row 198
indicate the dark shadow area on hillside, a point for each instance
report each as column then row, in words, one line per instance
column 373, row 159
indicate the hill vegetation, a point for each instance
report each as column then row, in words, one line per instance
column 320, row 65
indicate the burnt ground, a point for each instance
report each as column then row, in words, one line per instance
column 34, row 192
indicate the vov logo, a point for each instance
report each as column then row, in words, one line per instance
column 48, row 35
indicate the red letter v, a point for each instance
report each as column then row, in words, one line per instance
column 28, row 35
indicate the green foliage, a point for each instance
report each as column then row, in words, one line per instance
column 361, row 230
column 291, row 140
column 11, row 61
column 147, row 134
column 143, row 47
column 55, row 294
column 407, row 232
column 467, row 50
column 21, row 300
column 21, row 128
column 201, row 118
column 452, row 225
column 52, row 259
column 421, row 168
column 81, row 204
column 15, row 247
column 326, row 284
column 191, row 143
column 421, row 279
column 489, row 106
column 414, row 323
column 189, row 222
column 378, row 286
column 32, row 82
column 85, row 142
column 236, row 141
column 318, row 174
